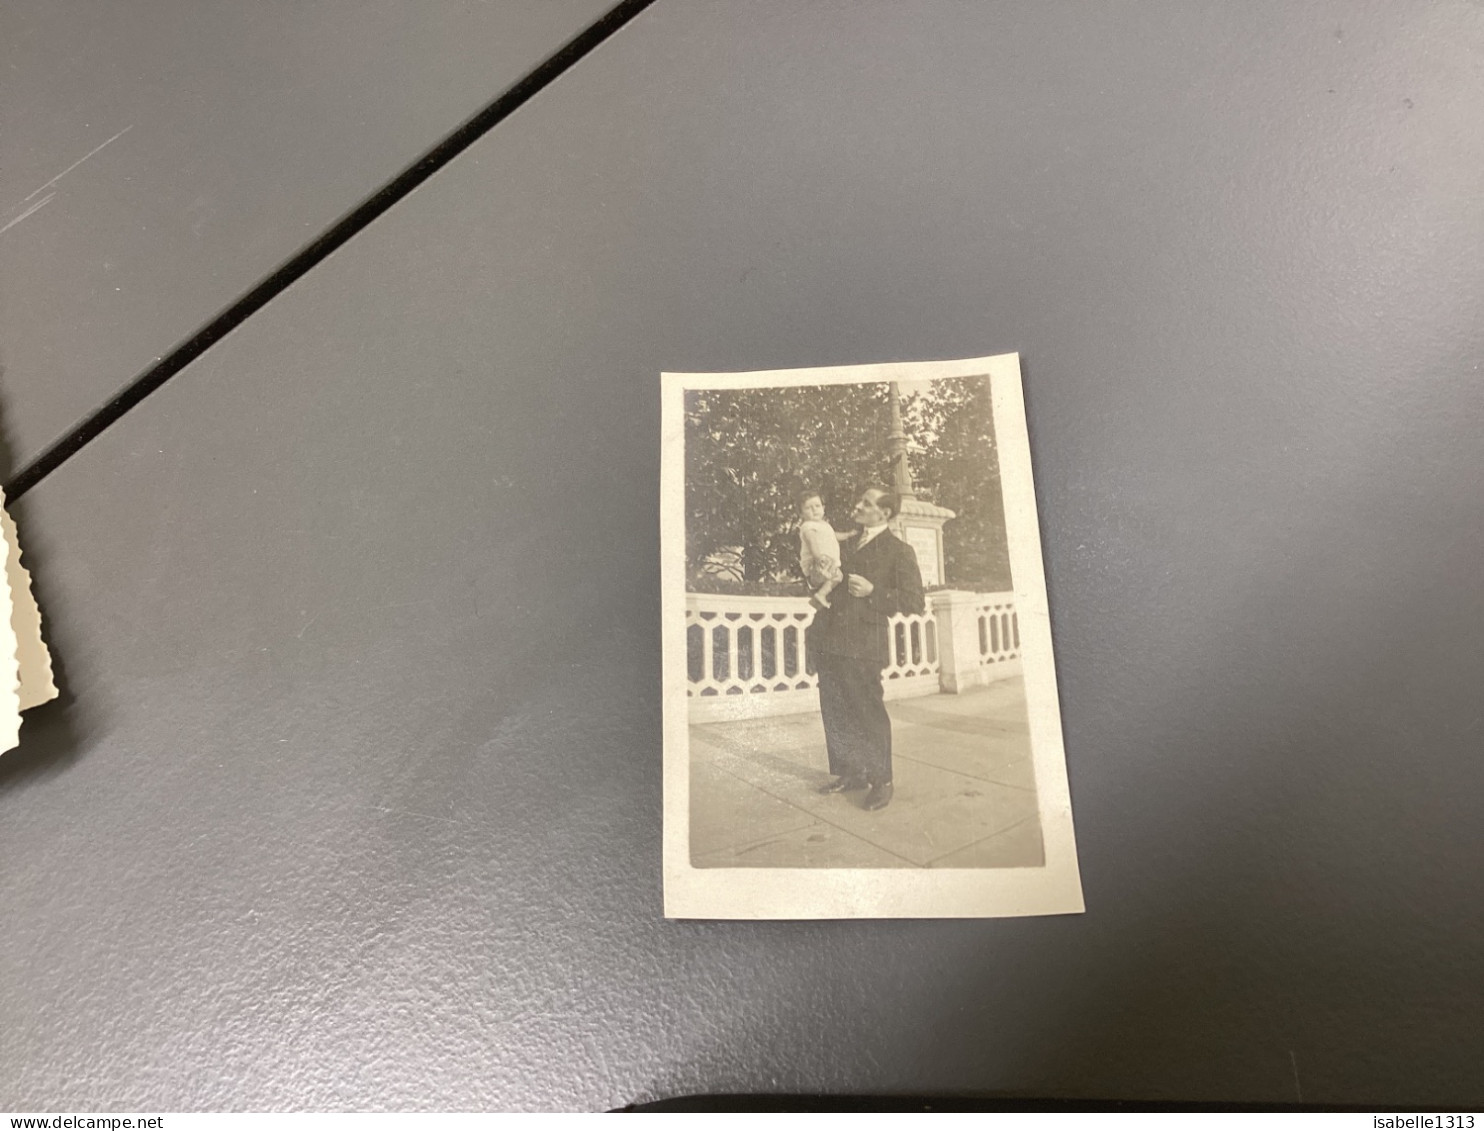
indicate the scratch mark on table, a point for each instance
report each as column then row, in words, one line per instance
column 42, row 203
column 83, row 158
column 411, row 813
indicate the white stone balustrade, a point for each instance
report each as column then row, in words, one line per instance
column 999, row 629
column 745, row 655
column 980, row 636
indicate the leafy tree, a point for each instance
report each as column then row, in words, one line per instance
column 956, row 465
column 748, row 452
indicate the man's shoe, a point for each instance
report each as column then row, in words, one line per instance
column 843, row 784
column 879, row 797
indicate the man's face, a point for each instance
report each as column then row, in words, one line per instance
column 868, row 512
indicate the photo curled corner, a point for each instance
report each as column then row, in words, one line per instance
column 31, row 682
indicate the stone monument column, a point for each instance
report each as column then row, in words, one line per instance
column 920, row 523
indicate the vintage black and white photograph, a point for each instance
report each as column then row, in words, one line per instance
column 861, row 715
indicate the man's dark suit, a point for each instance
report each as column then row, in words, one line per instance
column 850, row 643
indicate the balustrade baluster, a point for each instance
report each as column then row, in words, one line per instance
column 708, row 659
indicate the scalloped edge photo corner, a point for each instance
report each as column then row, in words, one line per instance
column 32, row 683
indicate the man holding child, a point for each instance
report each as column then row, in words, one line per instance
column 850, row 643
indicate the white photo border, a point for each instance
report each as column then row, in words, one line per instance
column 872, row 893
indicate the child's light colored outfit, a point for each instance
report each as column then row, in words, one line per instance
column 819, row 552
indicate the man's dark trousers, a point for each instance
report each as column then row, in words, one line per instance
column 857, row 729
column 850, row 644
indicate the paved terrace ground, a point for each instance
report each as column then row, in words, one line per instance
column 965, row 791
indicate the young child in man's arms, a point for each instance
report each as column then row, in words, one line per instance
column 819, row 550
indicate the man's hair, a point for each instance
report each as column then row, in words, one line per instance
column 890, row 501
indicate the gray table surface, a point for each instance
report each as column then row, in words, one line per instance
column 354, row 799
column 233, row 134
